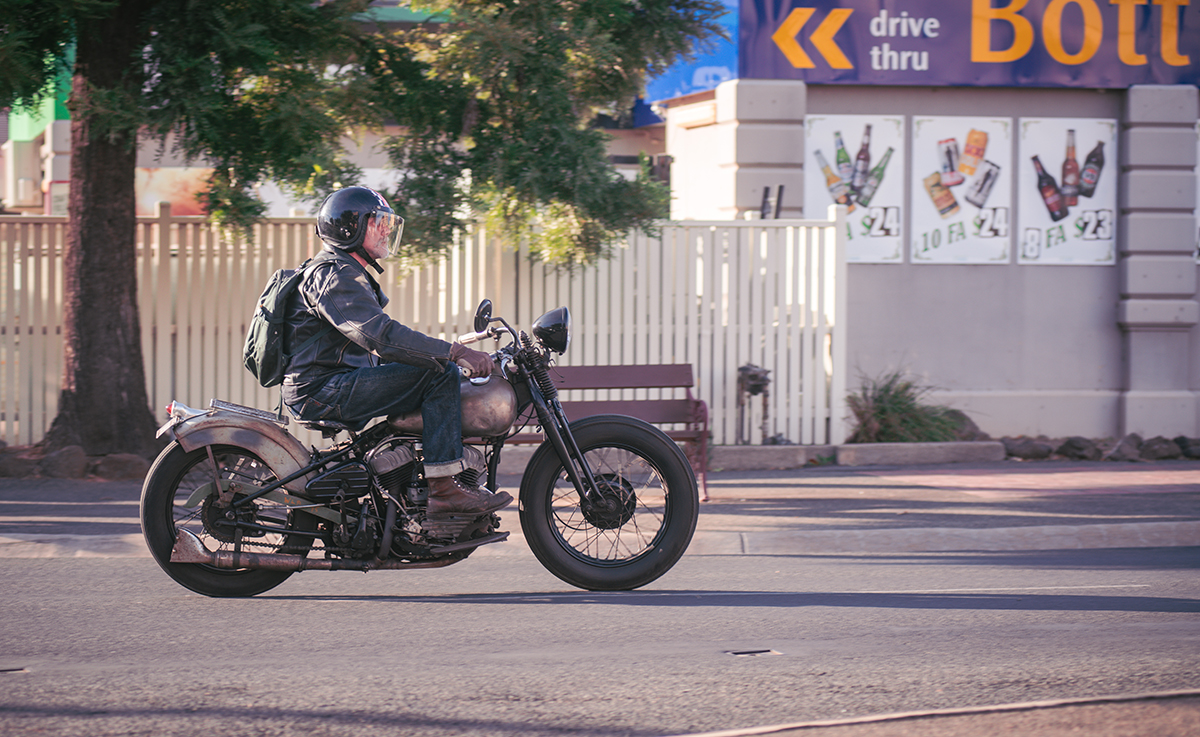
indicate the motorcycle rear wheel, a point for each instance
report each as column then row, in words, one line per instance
column 645, row 524
column 173, row 478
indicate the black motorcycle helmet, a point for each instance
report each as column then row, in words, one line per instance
column 348, row 214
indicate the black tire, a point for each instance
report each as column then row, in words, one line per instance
column 635, row 540
column 175, row 475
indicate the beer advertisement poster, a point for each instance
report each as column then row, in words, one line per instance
column 961, row 190
column 1066, row 191
column 858, row 161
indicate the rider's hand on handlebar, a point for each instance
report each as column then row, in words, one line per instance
column 476, row 362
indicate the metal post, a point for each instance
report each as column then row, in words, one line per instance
column 837, row 383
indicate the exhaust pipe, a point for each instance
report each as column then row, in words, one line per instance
column 189, row 549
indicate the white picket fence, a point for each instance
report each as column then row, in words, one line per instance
column 717, row 295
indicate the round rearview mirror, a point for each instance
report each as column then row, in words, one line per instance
column 483, row 315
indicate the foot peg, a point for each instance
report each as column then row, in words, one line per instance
column 475, row 542
column 447, row 524
column 458, row 526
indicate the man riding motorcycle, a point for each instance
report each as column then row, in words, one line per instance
column 370, row 365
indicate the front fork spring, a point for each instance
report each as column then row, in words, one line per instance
column 541, row 371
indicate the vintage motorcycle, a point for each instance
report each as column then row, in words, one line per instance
column 235, row 504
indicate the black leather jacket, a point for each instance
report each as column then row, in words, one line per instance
column 338, row 290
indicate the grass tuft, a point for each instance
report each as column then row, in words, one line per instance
column 891, row 410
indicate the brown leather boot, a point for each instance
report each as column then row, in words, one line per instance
column 448, row 496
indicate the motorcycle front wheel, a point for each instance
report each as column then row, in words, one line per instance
column 640, row 526
column 172, row 500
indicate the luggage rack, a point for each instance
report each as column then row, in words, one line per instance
column 277, row 418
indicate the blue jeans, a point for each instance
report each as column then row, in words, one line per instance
column 357, row 396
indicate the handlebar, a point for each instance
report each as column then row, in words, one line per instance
column 469, row 338
column 491, row 332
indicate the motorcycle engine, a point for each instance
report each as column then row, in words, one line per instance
column 476, row 466
column 346, row 481
column 393, row 464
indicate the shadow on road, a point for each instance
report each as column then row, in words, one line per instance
column 960, row 600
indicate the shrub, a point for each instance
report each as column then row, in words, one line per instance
column 890, row 410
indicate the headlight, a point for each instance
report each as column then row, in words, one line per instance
column 553, row 329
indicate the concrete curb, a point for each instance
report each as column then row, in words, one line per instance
column 897, row 454
column 947, row 540
column 14, row 545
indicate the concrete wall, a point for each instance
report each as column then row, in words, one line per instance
column 731, row 144
column 698, row 180
column 1022, row 349
column 1055, row 350
column 1158, row 310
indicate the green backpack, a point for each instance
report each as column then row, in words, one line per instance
column 264, row 353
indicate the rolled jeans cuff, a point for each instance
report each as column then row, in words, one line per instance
column 441, row 470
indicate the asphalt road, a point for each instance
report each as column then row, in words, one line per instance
column 497, row 646
column 830, row 602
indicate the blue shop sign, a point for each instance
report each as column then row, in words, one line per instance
column 714, row 63
column 991, row 43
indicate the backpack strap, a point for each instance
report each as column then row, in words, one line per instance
column 304, row 268
column 320, row 333
column 311, row 340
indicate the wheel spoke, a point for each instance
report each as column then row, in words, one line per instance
column 200, row 520
column 631, row 526
column 628, row 482
column 168, row 508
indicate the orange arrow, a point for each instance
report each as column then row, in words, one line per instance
column 822, row 38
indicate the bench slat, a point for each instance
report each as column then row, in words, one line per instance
column 536, row 438
column 651, row 410
column 623, row 377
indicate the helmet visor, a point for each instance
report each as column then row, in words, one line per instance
column 388, row 227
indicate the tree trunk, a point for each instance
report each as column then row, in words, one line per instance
column 103, row 406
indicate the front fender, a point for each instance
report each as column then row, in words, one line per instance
column 277, row 448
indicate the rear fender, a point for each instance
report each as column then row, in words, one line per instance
column 282, row 452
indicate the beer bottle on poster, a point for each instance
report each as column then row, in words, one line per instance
column 862, row 163
column 845, row 168
column 1091, row 170
column 837, row 188
column 873, row 179
column 1070, row 173
column 1050, row 192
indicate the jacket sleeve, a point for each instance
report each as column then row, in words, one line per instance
column 348, row 301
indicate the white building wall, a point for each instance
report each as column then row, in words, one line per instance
column 1023, row 349
column 697, row 179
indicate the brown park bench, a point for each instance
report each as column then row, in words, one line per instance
column 689, row 412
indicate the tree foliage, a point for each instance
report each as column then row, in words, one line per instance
column 489, row 105
column 34, row 40
column 516, row 84
column 487, row 111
